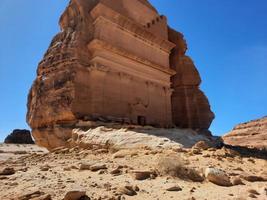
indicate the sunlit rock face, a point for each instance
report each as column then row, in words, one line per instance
column 114, row 61
column 251, row 134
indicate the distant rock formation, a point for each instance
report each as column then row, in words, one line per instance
column 19, row 137
column 251, row 134
column 115, row 61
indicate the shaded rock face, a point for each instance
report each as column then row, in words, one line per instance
column 251, row 134
column 19, row 137
column 190, row 106
column 114, row 61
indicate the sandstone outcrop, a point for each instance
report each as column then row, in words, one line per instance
column 190, row 106
column 114, row 61
column 251, row 134
column 19, row 137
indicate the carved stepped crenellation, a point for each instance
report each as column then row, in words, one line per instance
column 155, row 21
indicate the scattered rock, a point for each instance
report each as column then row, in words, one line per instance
column 194, row 175
column 7, row 171
column 75, row 195
column 141, row 175
column 252, row 191
column 127, row 190
column 116, row 171
column 45, row 168
column 20, row 152
column 97, row 167
column 217, row 177
column 196, row 151
column 264, row 191
column 136, row 188
column 193, row 189
column 237, row 181
column 174, row 188
column 253, row 178
column 252, row 196
column 85, row 166
column 35, row 195
column 201, row 145
column 123, row 153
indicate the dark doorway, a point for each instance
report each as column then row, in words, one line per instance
column 141, row 120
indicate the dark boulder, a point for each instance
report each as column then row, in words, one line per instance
column 19, row 137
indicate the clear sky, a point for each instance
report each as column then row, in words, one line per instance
column 226, row 39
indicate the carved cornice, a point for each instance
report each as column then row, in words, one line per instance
column 99, row 45
column 104, row 13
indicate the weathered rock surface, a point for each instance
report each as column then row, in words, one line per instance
column 114, row 61
column 251, row 134
column 19, row 137
column 152, row 138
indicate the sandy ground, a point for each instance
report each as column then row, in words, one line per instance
column 58, row 172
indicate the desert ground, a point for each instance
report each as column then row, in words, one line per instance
column 31, row 172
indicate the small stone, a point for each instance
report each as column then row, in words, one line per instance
column 85, row 166
column 217, row 177
column 97, row 167
column 7, row 171
column 44, row 197
column 101, row 151
column 252, row 191
column 67, row 168
column 193, row 189
column 136, row 188
column 252, row 196
column 237, row 181
column 31, row 194
column 251, row 160
column 253, row 178
column 116, row 171
column 264, row 191
column 45, row 168
column 74, row 195
column 127, row 190
column 201, row 145
column 194, row 175
column 141, row 175
column 124, row 153
column 196, row 151
column 13, row 184
column 238, row 169
column 174, row 188
column 102, row 171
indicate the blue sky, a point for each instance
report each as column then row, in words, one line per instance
column 226, row 39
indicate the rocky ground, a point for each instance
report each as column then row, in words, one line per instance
column 29, row 172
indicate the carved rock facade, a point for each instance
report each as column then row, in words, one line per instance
column 114, row 61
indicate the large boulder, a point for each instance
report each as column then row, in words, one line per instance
column 217, row 177
column 19, row 137
column 251, row 134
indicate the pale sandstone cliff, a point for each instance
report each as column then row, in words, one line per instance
column 251, row 134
